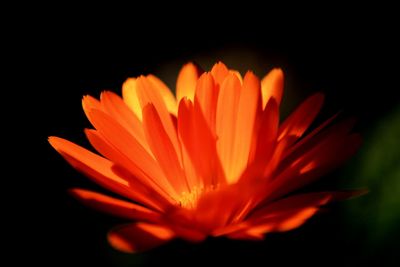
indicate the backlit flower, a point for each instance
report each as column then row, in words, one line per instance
column 212, row 161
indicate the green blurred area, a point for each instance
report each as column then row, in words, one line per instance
column 375, row 217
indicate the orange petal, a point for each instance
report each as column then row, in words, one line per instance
column 266, row 137
column 293, row 203
column 139, row 237
column 148, row 94
column 166, row 94
column 129, row 94
column 119, row 111
column 147, row 191
column 186, row 83
column 97, row 168
column 272, row 86
column 237, row 73
column 336, row 131
column 216, row 209
column 280, row 223
column 137, row 160
column 328, row 153
column 220, row 72
column 227, row 108
column 309, row 138
column 207, row 97
column 89, row 103
column 200, row 145
column 282, row 215
column 298, row 122
column 245, row 124
column 163, row 149
column 113, row 206
column 291, row 212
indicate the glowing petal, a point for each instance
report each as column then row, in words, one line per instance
column 96, row 167
column 227, row 107
column 207, row 97
column 186, row 83
column 244, row 126
column 166, row 94
column 115, row 206
column 219, row 71
column 139, row 237
column 129, row 94
column 146, row 191
column 272, row 86
column 163, row 149
column 117, row 109
column 148, row 94
column 298, row 122
column 137, row 160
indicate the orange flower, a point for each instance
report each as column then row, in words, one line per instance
column 214, row 161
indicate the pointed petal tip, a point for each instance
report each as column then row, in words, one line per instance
column 54, row 140
column 139, row 237
column 350, row 194
column 319, row 96
column 120, row 243
column 278, row 70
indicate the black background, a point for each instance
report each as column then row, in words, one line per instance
column 350, row 54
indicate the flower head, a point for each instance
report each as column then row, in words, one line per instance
column 212, row 161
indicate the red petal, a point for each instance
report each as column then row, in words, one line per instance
column 146, row 193
column 139, row 237
column 113, row 206
column 148, row 94
column 227, row 107
column 132, row 155
column 283, row 215
column 200, row 145
column 207, row 96
column 120, row 112
column 186, row 83
column 163, row 149
column 219, row 71
column 95, row 166
column 272, row 87
column 328, row 153
column 298, row 122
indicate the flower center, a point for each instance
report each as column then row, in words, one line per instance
column 189, row 199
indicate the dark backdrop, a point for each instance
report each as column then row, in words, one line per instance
column 351, row 56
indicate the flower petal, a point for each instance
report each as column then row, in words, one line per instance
column 97, row 168
column 309, row 138
column 283, row 215
column 325, row 155
column 272, row 87
column 265, row 138
column 227, row 108
column 139, row 237
column 136, row 158
column 220, row 71
column 245, row 124
column 89, row 103
column 163, row 149
column 129, row 94
column 186, row 83
column 207, row 97
column 113, row 206
column 192, row 127
column 280, row 223
column 147, row 191
column 148, row 94
column 298, row 122
column 166, row 94
column 118, row 110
